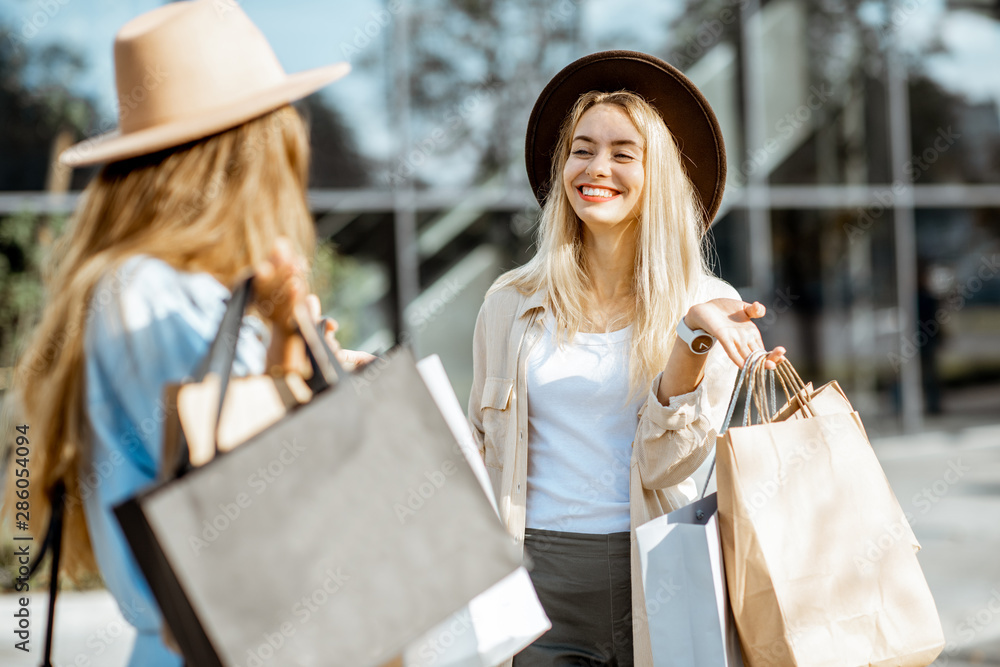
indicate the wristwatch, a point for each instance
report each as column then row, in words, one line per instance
column 699, row 340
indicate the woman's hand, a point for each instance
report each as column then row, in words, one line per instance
column 730, row 321
column 349, row 359
column 280, row 284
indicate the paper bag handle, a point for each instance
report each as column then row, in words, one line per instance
column 747, row 376
column 758, row 380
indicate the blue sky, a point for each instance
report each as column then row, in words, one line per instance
column 314, row 33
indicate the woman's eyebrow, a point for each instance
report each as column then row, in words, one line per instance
column 616, row 142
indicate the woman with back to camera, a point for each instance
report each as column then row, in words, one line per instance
column 590, row 411
column 206, row 179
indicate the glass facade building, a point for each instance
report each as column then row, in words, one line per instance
column 862, row 204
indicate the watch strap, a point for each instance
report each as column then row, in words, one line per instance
column 688, row 335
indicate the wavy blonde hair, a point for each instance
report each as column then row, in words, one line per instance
column 669, row 257
column 217, row 206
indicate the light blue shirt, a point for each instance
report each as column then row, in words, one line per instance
column 148, row 325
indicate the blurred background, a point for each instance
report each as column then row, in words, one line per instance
column 862, row 205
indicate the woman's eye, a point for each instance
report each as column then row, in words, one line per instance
column 580, row 151
column 624, row 156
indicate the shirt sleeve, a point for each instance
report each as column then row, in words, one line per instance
column 673, row 440
column 152, row 325
column 478, row 381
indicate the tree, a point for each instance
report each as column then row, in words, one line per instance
column 33, row 114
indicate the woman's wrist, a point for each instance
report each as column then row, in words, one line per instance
column 683, row 373
column 692, row 319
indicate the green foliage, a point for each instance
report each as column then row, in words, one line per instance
column 346, row 287
column 21, row 291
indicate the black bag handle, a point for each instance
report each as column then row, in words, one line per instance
column 221, row 355
column 53, row 541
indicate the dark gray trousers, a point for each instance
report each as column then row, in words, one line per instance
column 584, row 584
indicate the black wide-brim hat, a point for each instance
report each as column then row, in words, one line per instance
column 684, row 110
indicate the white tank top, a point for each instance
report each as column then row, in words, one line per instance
column 580, row 432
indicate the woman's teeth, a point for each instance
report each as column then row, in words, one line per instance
column 597, row 192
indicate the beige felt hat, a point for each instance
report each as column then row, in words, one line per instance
column 188, row 70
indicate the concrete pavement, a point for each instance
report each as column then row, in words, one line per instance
column 947, row 479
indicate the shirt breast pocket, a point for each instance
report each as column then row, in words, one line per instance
column 496, row 415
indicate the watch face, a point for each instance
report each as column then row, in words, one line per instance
column 702, row 344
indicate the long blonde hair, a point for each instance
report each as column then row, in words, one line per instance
column 216, row 205
column 669, row 257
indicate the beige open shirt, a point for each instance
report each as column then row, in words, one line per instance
column 670, row 442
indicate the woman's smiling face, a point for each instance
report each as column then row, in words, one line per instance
column 603, row 176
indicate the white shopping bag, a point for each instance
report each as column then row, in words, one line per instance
column 505, row 618
column 687, row 604
column 495, row 626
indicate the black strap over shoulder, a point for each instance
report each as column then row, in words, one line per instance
column 53, row 541
column 222, row 354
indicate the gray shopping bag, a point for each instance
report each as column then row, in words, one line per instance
column 685, row 588
column 335, row 536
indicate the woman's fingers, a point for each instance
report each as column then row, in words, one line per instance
column 774, row 357
column 329, row 334
column 354, row 359
column 315, row 309
column 755, row 310
column 280, row 284
column 733, row 350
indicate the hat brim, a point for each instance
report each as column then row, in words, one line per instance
column 114, row 146
column 684, row 110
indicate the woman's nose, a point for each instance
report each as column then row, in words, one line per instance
column 600, row 165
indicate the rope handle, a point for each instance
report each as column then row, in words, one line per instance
column 748, row 363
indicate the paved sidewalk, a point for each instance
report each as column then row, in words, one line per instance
column 948, row 480
column 90, row 631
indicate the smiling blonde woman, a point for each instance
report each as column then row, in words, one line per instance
column 603, row 366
